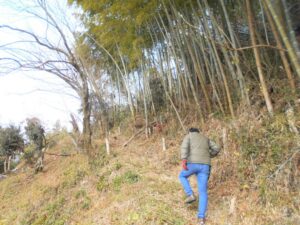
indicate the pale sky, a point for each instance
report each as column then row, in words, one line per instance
column 32, row 94
column 22, row 96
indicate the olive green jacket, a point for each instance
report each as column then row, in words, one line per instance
column 196, row 148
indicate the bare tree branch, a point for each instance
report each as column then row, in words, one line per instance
column 55, row 55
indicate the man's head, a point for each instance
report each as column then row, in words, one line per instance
column 193, row 129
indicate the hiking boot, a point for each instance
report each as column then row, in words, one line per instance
column 201, row 221
column 190, row 199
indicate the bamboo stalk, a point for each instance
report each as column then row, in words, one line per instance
column 218, row 62
column 5, row 165
column 282, row 54
column 291, row 51
column 257, row 59
column 289, row 25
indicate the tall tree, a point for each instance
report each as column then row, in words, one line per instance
column 53, row 53
column 11, row 141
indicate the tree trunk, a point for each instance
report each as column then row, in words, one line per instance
column 86, row 108
column 5, row 168
column 145, row 80
column 8, row 163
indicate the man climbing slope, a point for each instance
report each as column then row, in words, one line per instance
column 196, row 153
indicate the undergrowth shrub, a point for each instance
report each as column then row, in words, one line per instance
column 84, row 200
column 263, row 148
column 29, row 154
column 102, row 183
column 73, row 175
column 100, row 159
column 128, row 177
column 117, row 166
column 51, row 214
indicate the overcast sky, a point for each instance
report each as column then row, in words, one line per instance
column 32, row 94
column 22, row 96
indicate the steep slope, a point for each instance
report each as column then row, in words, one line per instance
column 137, row 185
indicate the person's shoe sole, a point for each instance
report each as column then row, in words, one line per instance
column 189, row 201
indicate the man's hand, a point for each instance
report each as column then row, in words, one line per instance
column 184, row 164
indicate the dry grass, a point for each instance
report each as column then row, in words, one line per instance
column 138, row 185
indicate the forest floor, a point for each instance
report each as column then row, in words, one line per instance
column 135, row 185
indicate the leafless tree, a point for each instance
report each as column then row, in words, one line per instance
column 50, row 47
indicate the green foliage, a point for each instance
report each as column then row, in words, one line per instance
column 127, row 178
column 10, row 140
column 122, row 26
column 73, row 175
column 158, row 93
column 268, row 142
column 100, row 158
column 51, row 214
column 117, row 183
column 1, row 165
column 86, row 203
column 117, row 166
column 80, row 193
column 102, row 184
column 262, row 150
column 52, row 207
column 29, row 153
column 131, row 177
column 55, row 137
column 84, row 200
column 35, row 132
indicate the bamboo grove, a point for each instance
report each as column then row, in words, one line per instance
column 131, row 58
column 193, row 56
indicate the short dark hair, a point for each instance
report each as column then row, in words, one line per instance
column 193, row 129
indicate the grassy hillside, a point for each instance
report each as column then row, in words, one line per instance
column 139, row 184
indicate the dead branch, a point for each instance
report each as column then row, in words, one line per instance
column 57, row 154
column 280, row 167
column 133, row 136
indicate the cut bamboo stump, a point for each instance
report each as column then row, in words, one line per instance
column 224, row 140
column 107, row 146
column 232, row 206
column 164, row 144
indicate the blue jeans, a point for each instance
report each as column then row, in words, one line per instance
column 202, row 172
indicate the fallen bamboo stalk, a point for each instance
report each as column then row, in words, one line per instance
column 280, row 167
column 133, row 136
column 56, row 154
